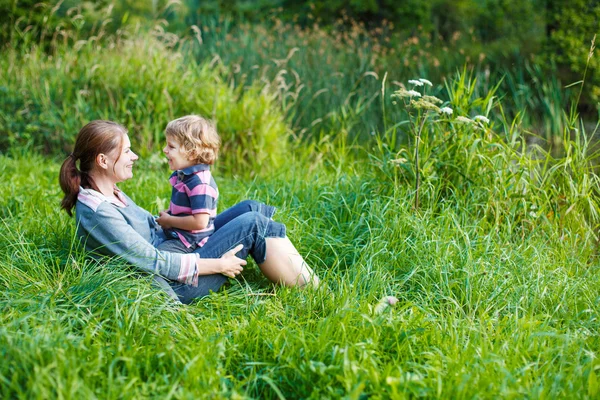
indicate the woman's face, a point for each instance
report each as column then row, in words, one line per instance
column 121, row 165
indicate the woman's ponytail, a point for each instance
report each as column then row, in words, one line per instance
column 70, row 180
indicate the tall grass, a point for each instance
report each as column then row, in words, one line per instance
column 485, row 309
column 330, row 78
column 495, row 272
column 138, row 82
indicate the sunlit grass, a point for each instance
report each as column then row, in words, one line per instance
column 484, row 309
column 496, row 270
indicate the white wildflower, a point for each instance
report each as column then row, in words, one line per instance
column 481, row 118
column 432, row 99
column 415, row 82
column 401, row 93
column 399, row 161
column 425, row 81
column 446, row 110
column 384, row 303
column 465, row 120
column 424, row 105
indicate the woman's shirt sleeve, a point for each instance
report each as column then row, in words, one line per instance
column 105, row 231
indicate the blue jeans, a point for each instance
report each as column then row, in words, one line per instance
column 248, row 223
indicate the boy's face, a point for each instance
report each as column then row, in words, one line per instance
column 176, row 155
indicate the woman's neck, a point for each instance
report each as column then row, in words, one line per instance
column 104, row 185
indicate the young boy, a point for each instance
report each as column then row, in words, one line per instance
column 192, row 147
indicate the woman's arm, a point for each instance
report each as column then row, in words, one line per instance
column 195, row 222
column 106, row 232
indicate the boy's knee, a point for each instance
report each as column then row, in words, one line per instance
column 252, row 205
column 262, row 208
column 252, row 220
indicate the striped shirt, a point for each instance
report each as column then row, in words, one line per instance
column 194, row 192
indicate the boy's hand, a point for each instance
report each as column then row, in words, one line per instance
column 164, row 220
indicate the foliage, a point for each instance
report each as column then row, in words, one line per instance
column 510, row 183
column 571, row 27
column 139, row 83
column 328, row 78
column 495, row 271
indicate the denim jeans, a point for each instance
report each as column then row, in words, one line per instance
column 248, row 223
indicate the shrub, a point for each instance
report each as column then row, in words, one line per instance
column 570, row 28
column 456, row 156
column 140, row 83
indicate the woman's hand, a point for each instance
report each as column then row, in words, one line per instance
column 164, row 220
column 230, row 264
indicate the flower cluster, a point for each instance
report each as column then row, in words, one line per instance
column 482, row 119
column 431, row 103
column 406, row 93
column 420, row 82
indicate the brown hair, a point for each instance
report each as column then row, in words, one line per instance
column 94, row 138
column 198, row 137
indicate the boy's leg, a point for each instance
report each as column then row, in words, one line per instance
column 241, row 208
column 250, row 229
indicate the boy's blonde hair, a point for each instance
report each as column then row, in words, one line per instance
column 198, row 137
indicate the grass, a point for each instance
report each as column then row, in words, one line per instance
column 330, row 78
column 47, row 99
column 496, row 271
column 483, row 311
column 325, row 79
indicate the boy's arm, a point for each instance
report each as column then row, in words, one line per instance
column 195, row 222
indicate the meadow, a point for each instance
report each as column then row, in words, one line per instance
column 495, row 265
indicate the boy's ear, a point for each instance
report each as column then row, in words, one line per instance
column 192, row 155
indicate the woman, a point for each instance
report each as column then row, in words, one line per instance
column 110, row 223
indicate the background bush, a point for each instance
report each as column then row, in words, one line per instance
column 141, row 84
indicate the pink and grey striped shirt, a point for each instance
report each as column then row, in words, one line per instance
column 194, row 192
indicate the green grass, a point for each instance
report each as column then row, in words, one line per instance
column 140, row 83
column 483, row 311
column 496, row 270
column 325, row 79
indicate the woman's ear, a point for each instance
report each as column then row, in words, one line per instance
column 102, row 161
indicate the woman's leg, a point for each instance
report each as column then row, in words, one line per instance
column 283, row 264
column 268, row 244
column 187, row 293
column 274, row 253
column 241, row 230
